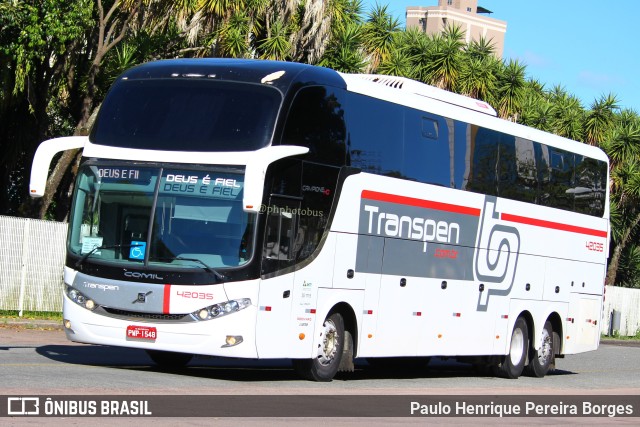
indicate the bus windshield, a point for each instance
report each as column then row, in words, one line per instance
column 171, row 217
column 187, row 114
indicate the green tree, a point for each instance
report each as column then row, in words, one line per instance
column 600, row 118
column 378, row 35
column 344, row 52
column 446, row 60
column 511, row 87
column 36, row 37
column 622, row 145
column 478, row 76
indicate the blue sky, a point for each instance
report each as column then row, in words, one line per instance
column 589, row 47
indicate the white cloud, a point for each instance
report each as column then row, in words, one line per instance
column 536, row 60
column 597, row 80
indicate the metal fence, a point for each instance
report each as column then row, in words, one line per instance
column 32, row 259
column 31, row 264
column 626, row 302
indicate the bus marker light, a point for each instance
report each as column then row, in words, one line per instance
column 310, row 310
column 301, row 336
column 417, row 313
column 370, row 336
column 232, row 340
column 439, row 335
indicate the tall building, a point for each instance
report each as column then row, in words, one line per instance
column 466, row 14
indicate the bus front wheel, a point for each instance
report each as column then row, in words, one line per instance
column 325, row 364
column 512, row 365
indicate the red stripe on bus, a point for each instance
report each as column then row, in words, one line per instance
column 552, row 225
column 167, row 299
column 421, row 203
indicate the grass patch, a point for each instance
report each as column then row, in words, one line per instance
column 31, row 315
column 617, row 336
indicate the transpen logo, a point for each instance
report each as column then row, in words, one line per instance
column 496, row 255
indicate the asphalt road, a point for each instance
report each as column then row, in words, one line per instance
column 43, row 362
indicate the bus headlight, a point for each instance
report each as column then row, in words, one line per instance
column 80, row 299
column 221, row 309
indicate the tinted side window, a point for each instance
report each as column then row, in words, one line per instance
column 375, row 131
column 484, row 162
column 316, row 120
column 427, row 153
column 590, row 186
column 558, row 179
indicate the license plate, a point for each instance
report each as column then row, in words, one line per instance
column 144, row 333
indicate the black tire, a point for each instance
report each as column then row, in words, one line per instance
column 541, row 359
column 169, row 359
column 512, row 365
column 325, row 365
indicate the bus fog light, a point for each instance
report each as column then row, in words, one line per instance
column 67, row 323
column 233, row 340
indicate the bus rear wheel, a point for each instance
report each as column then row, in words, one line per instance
column 169, row 359
column 512, row 365
column 324, row 366
column 540, row 359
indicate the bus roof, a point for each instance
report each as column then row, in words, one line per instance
column 280, row 74
column 424, row 97
column 286, row 76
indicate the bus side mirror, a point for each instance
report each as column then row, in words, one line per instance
column 256, row 170
column 44, row 155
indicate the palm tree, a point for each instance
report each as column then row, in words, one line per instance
column 343, row 52
column 310, row 23
column 233, row 36
column 379, row 31
column 511, row 90
column 446, row 61
column 599, row 119
column 277, row 44
column 568, row 117
column 622, row 145
column 416, row 46
column 396, row 64
column 478, row 76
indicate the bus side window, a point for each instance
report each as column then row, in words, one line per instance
column 427, row 154
column 280, row 235
column 316, row 120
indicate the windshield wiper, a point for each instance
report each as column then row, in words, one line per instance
column 206, row 267
column 97, row 248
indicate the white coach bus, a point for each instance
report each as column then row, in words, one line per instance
column 263, row 209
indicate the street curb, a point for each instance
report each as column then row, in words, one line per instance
column 624, row 343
